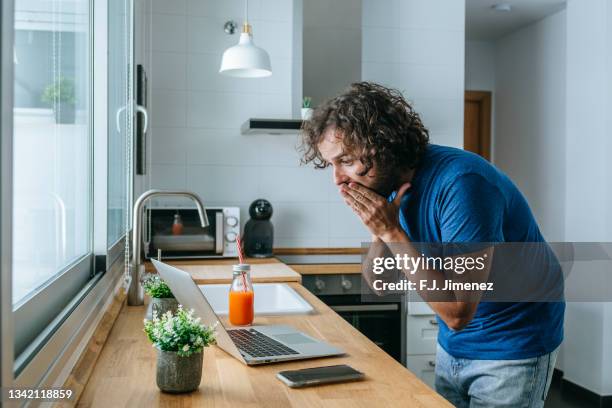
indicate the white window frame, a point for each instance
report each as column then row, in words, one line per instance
column 6, row 182
column 48, row 360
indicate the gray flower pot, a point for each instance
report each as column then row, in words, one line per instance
column 178, row 374
column 162, row 305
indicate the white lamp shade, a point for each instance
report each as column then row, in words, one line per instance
column 246, row 60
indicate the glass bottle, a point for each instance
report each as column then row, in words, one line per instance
column 241, row 296
column 177, row 225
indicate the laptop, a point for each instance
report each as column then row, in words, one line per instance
column 250, row 344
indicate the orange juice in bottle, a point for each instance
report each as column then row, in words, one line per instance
column 241, row 298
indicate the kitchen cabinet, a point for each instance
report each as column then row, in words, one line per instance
column 421, row 339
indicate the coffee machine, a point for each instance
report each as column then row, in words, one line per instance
column 259, row 231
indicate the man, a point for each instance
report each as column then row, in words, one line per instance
column 406, row 190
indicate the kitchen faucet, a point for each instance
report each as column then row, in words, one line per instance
column 136, row 291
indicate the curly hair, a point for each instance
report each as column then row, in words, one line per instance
column 378, row 126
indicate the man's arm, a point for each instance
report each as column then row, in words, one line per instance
column 381, row 218
column 456, row 308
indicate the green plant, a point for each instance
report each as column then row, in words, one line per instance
column 157, row 288
column 306, row 102
column 61, row 90
column 181, row 332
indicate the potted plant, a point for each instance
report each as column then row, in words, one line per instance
column 162, row 299
column 180, row 340
column 306, row 108
column 60, row 95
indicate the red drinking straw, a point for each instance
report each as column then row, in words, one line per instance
column 241, row 259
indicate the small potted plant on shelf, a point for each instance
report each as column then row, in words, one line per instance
column 306, row 108
column 180, row 340
column 162, row 299
column 60, row 95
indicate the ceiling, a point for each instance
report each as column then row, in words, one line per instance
column 485, row 24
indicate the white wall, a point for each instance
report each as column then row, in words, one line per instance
column 197, row 113
column 418, row 47
column 480, row 76
column 332, row 47
column 480, row 65
column 529, row 117
column 588, row 171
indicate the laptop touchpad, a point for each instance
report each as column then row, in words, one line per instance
column 293, row 338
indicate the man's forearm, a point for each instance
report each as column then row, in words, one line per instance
column 453, row 311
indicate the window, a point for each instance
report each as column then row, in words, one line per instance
column 119, row 118
column 52, row 160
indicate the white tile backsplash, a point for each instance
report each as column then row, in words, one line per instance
column 380, row 44
column 169, row 33
column 169, row 70
column 224, row 183
column 197, row 113
column 277, row 150
column 433, row 82
column 169, row 145
column 221, row 147
column 273, row 10
column 380, row 13
column 168, row 107
column 169, row 6
column 294, row 184
column 345, row 223
column 301, row 220
column 384, row 73
column 168, row 176
column 430, row 47
column 205, row 34
column 443, row 116
column 273, row 36
column 218, row 8
column 423, row 56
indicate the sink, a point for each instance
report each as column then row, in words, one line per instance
column 270, row 299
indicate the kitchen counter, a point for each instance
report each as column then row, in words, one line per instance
column 220, row 270
column 124, row 375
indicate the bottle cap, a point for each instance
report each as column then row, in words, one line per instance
column 239, row 268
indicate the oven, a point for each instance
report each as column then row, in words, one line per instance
column 177, row 232
column 382, row 322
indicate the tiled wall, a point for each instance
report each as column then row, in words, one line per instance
column 196, row 113
column 332, row 47
column 417, row 46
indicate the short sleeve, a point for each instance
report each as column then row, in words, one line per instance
column 471, row 209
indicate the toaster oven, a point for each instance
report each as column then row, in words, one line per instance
column 178, row 234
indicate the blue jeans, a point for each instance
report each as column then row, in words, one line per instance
column 494, row 383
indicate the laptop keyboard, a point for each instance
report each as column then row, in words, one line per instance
column 257, row 344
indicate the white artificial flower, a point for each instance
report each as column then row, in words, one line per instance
column 186, row 347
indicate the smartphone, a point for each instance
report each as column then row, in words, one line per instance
column 319, row 375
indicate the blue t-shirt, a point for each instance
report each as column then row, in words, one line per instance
column 457, row 196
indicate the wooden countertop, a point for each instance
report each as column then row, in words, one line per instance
column 220, row 270
column 124, row 375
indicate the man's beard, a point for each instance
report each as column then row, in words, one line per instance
column 385, row 184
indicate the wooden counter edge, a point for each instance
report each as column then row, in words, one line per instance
column 326, row 269
column 80, row 373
